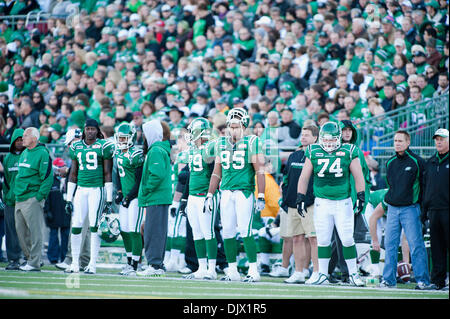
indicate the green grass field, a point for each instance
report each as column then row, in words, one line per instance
column 51, row 283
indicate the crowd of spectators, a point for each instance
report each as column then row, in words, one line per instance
column 287, row 61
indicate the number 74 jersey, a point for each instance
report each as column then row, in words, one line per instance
column 90, row 161
column 332, row 170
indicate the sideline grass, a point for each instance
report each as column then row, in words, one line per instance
column 51, row 283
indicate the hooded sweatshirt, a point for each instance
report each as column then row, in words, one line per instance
column 35, row 174
column 362, row 160
column 156, row 183
column 11, row 167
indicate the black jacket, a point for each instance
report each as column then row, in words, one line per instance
column 291, row 175
column 436, row 183
column 404, row 176
column 54, row 208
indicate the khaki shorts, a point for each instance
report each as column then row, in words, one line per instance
column 291, row 224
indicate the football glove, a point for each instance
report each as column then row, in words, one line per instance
column 119, row 197
column 301, row 209
column 126, row 202
column 208, row 205
column 182, row 209
column 360, row 199
column 260, row 203
column 69, row 208
column 173, row 208
column 108, row 208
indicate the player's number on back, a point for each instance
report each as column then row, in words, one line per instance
column 334, row 168
column 237, row 160
column 91, row 161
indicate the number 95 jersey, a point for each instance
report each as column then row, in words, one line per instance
column 332, row 170
column 90, row 161
column 238, row 172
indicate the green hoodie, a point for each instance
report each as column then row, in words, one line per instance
column 365, row 168
column 156, row 182
column 35, row 175
column 11, row 167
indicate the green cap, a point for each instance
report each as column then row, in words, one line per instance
column 342, row 8
column 171, row 39
column 78, row 118
column 433, row 3
column 55, row 127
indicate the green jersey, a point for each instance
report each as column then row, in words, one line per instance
column 90, row 161
column 238, row 172
column 377, row 197
column 127, row 164
column 331, row 170
column 200, row 160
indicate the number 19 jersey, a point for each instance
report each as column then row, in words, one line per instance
column 238, row 172
column 200, row 169
column 90, row 161
column 331, row 170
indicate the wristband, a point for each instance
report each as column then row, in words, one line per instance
column 209, row 195
column 109, row 191
column 70, row 190
column 261, row 195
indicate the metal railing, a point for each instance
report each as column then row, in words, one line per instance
column 32, row 17
column 421, row 120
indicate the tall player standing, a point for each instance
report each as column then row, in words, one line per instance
column 91, row 173
column 238, row 159
column 129, row 161
column 201, row 165
column 332, row 163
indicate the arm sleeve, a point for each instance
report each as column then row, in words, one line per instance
column 117, row 181
column 46, row 175
column 186, row 186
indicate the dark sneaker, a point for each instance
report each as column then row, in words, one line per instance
column 385, row 284
column 422, row 286
column 13, row 265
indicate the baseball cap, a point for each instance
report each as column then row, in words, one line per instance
column 58, row 162
column 441, row 132
column 318, row 17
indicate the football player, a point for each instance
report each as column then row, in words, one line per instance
column 201, row 165
column 91, row 174
column 238, row 159
column 129, row 161
column 332, row 163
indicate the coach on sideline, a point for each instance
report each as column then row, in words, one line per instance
column 32, row 186
column 404, row 175
column 435, row 204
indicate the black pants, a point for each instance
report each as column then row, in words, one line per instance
column 13, row 250
column 439, row 245
column 155, row 234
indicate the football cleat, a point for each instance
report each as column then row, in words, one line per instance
column 126, row 269
column 231, row 276
column 90, row 270
column 322, row 279
column 296, row 278
column 211, row 274
column 151, row 272
column 279, row 271
column 330, row 136
column 125, row 136
column 314, row 277
column 251, row 278
column 73, row 268
column 62, row 266
column 199, row 274
column 355, row 280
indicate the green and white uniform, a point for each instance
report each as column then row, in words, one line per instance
column 127, row 164
column 333, row 204
column 237, row 192
column 90, row 195
column 201, row 161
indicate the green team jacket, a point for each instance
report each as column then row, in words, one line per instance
column 35, row 175
column 156, row 182
column 11, row 167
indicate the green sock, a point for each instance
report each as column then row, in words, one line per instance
column 230, row 247
column 126, row 241
column 250, row 248
column 136, row 244
column 179, row 243
column 349, row 252
column 265, row 246
column 374, row 256
column 200, row 248
column 211, row 248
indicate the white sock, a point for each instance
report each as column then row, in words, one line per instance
column 323, row 265
column 95, row 247
column 253, row 268
column 351, row 265
column 232, row 267
column 75, row 242
column 212, row 264
column 202, row 264
column 174, row 255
